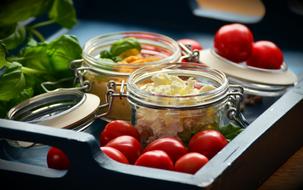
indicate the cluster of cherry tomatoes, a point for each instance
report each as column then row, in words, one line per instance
column 121, row 142
column 235, row 42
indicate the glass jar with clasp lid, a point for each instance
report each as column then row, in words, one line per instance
column 95, row 72
column 92, row 72
column 178, row 99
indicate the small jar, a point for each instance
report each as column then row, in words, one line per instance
column 158, row 116
column 99, row 72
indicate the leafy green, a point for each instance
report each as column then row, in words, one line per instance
column 52, row 58
column 37, row 62
column 16, row 38
column 2, row 56
column 123, row 45
column 14, row 11
column 105, row 54
column 12, row 81
column 188, row 132
column 23, row 95
column 120, row 47
column 63, row 12
column 22, row 73
column 230, row 131
column 36, row 57
column 50, row 61
column 62, row 51
column 7, row 30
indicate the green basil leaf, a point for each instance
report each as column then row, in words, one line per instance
column 7, row 30
column 123, row 45
column 2, row 55
column 13, row 11
column 5, row 106
column 61, row 52
column 15, row 39
column 24, row 94
column 230, row 131
column 50, row 61
column 12, row 81
column 106, row 54
column 3, row 109
column 63, row 13
column 36, row 57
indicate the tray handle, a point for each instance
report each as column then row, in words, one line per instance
column 86, row 151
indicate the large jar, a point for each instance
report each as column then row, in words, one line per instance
column 157, row 115
column 98, row 72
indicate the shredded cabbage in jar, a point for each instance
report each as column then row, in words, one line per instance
column 154, row 123
column 171, row 85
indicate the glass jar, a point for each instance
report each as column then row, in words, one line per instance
column 158, row 116
column 98, row 72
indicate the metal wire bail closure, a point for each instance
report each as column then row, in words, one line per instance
column 233, row 105
column 110, row 94
column 84, row 85
column 235, row 97
column 189, row 54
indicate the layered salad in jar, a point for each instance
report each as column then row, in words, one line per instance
column 113, row 57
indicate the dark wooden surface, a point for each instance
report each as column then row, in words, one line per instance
column 288, row 176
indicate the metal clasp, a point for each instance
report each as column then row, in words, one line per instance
column 77, row 81
column 111, row 93
column 188, row 53
column 79, row 71
column 233, row 106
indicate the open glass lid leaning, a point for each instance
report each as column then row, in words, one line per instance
column 255, row 81
column 60, row 109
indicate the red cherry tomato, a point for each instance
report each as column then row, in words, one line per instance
column 155, row 159
column 266, row 54
column 234, row 42
column 57, row 159
column 114, row 154
column 207, row 142
column 195, row 45
column 190, row 162
column 173, row 147
column 128, row 145
column 115, row 129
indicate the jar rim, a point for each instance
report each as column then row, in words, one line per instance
column 96, row 63
column 137, row 95
column 61, row 109
column 255, row 81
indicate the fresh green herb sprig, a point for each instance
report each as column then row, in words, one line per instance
column 33, row 59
